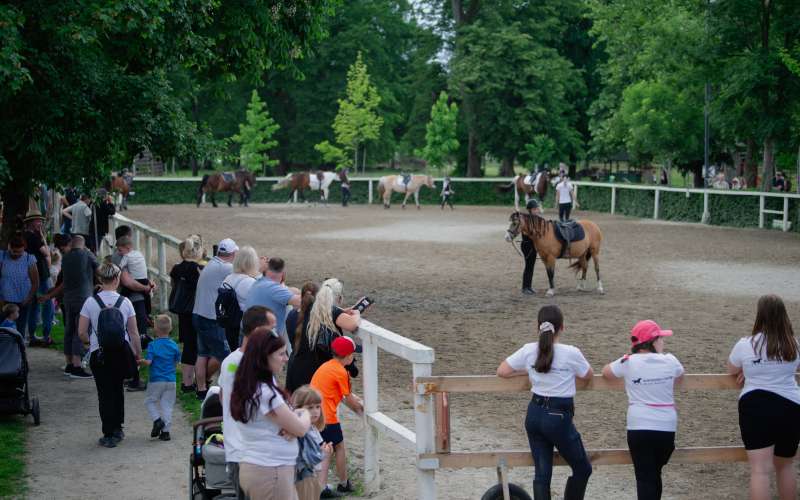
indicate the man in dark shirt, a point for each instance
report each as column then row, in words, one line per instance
column 78, row 266
column 103, row 209
column 36, row 245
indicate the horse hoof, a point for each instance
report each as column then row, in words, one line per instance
column 550, row 292
column 601, row 291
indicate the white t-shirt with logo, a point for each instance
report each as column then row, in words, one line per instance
column 771, row 375
column 227, row 374
column 559, row 382
column 649, row 382
column 564, row 189
column 261, row 442
column 91, row 310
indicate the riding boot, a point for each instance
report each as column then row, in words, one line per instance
column 541, row 491
column 575, row 488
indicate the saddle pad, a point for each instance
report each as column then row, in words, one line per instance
column 569, row 231
column 228, row 176
column 400, row 184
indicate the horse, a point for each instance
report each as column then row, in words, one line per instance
column 239, row 182
column 519, row 185
column 121, row 185
column 391, row 183
column 542, row 233
column 300, row 181
column 738, row 183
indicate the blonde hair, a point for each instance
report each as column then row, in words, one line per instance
column 108, row 272
column 322, row 311
column 246, row 261
column 191, row 248
column 55, row 257
column 305, row 396
column 163, row 323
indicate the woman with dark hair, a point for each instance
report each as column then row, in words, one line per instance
column 302, row 363
column 19, row 280
column 552, row 368
column 650, row 377
column 267, row 425
column 769, row 404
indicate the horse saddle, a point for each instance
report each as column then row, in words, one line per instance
column 566, row 233
column 128, row 178
column 228, row 177
column 402, row 182
column 529, row 180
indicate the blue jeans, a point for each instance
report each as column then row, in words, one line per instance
column 47, row 312
column 549, row 424
column 211, row 341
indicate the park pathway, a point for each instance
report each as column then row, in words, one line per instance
column 64, row 459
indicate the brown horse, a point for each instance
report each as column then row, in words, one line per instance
column 542, row 233
column 121, row 185
column 300, row 181
column 520, row 186
column 239, row 182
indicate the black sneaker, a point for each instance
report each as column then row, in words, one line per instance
column 158, row 425
column 136, row 388
column 164, row 436
column 529, row 291
column 107, row 442
column 188, row 388
column 118, row 436
column 201, row 395
column 329, row 493
column 79, row 373
column 345, row 488
column 68, row 370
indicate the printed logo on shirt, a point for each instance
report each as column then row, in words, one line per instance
column 652, row 381
column 232, row 368
column 766, row 362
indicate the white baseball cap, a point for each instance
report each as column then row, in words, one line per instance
column 227, row 246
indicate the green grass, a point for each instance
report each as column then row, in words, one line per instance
column 12, row 456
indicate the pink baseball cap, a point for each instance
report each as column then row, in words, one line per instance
column 647, row 330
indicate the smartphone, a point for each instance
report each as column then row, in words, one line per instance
column 363, row 304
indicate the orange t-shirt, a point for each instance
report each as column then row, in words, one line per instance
column 333, row 382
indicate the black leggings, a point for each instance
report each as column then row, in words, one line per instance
column 650, row 451
column 108, row 373
column 564, row 210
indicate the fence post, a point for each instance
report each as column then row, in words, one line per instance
column 423, row 425
column 655, row 205
column 761, row 212
column 295, row 196
column 164, row 283
column 372, row 476
column 613, row 199
column 148, row 252
column 370, row 192
column 136, row 239
column 706, row 214
column 785, row 214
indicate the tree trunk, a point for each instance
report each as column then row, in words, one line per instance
column 364, row 159
column 473, row 158
column 507, row 167
column 15, row 206
column 750, row 166
column 769, row 164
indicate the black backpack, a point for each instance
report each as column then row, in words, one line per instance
column 111, row 328
column 229, row 314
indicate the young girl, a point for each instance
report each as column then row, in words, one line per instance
column 769, row 404
column 308, row 482
column 552, row 368
column 650, row 377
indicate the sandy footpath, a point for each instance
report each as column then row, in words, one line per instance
column 64, row 459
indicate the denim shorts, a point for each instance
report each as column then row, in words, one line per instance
column 211, row 342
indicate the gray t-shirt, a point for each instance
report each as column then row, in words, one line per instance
column 211, row 278
column 134, row 263
column 78, row 267
column 81, row 216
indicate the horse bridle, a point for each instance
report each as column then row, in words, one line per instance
column 511, row 238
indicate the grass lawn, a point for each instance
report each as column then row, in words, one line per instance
column 12, row 456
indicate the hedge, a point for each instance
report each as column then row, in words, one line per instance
column 737, row 211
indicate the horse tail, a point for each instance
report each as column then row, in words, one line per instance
column 282, row 183
column 381, row 188
column 582, row 262
column 204, row 182
column 505, row 188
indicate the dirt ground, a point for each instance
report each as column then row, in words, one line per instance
column 449, row 280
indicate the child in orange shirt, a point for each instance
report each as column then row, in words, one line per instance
column 333, row 383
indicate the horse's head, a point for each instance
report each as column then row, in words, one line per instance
column 514, row 225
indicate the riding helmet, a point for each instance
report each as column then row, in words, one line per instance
column 532, row 205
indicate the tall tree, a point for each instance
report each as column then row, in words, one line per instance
column 255, row 137
column 357, row 121
column 440, row 136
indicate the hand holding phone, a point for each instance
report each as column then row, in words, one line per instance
column 363, row 304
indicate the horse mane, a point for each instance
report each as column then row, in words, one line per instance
column 533, row 224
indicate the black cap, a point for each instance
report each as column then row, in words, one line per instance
column 532, row 204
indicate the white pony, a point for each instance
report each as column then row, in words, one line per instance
column 391, row 183
column 300, row 181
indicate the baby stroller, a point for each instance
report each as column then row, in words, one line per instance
column 208, row 475
column 14, row 395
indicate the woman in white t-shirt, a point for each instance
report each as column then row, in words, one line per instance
column 109, row 368
column 565, row 195
column 245, row 270
column 650, row 377
column 265, row 423
column 769, row 404
column 552, row 368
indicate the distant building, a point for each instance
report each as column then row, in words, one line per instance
column 146, row 164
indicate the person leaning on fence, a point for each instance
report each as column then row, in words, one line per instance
column 162, row 356
column 529, row 252
column 183, row 278
column 267, row 425
column 552, row 368
column 108, row 325
column 271, row 291
column 650, row 377
column 769, row 404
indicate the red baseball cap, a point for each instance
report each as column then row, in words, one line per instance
column 647, row 330
column 343, row 346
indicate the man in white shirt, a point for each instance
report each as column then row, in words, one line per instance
column 565, row 195
column 253, row 318
column 81, row 215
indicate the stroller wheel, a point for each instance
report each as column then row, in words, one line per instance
column 35, row 411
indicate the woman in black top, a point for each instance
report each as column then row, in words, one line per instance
column 302, row 360
column 184, row 278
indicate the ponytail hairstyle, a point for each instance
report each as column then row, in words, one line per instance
column 330, row 293
column 643, row 346
column 550, row 321
column 307, row 296
column 774, row 323
column 252, row 372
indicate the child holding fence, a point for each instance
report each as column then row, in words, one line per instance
column 163, row 355
column 552, row 368
column 769, row 404
column 650, row 377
